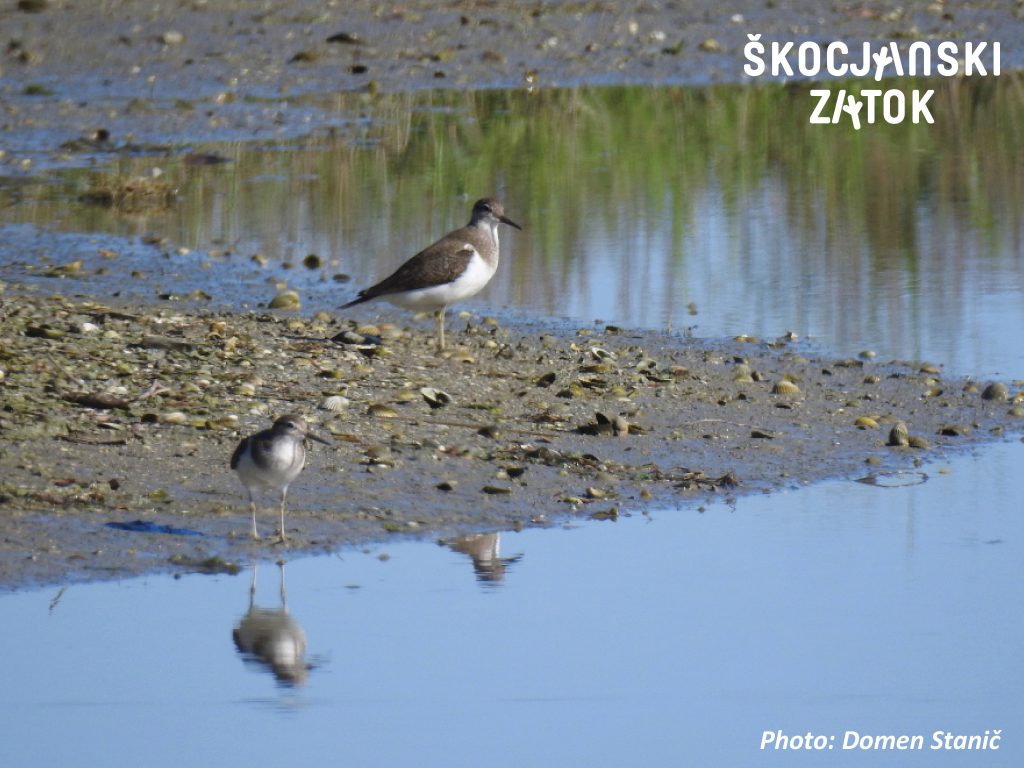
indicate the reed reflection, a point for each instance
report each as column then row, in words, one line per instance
column 270, row 638
column 642, row 203
column 485, row 551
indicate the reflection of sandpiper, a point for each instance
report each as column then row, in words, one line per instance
column 484, row 549
column 271, row 637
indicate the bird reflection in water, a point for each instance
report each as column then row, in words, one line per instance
column 484, row 549
column 272, row 639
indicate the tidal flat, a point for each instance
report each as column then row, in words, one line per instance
column 114, row 414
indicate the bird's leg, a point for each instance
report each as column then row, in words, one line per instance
column 284, row 493
column 252, row 508
column 440, row 328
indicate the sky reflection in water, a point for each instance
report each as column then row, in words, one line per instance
column 842, row 606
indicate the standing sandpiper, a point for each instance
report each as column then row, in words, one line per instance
column 273, row 458
column 454, row 268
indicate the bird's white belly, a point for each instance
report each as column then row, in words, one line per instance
column 476, row 275
column 284, row 464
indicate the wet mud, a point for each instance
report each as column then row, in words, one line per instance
column 117, row 414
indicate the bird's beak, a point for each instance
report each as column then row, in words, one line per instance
column 505, row 220
column 316, row 437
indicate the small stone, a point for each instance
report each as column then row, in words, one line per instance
column 334, row 403
column 955, row 430
column 304, row 57
column 898, row 436
column 286, row 300
column 612, row 513
column 497, row 490
column 785, row 387
column 996, row 391
column 349, row 337
column 546, row 380
column 435, row 397
column 345, row 38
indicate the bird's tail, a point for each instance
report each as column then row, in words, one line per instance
column 357, row 300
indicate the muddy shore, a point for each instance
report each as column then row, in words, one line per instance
column 114, row 412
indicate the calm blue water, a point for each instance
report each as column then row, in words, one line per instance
column 677, row 638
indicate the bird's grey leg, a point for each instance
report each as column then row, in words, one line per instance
column 440, row 328
column 284, row 494
column 252, row 508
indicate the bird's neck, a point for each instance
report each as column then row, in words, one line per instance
column 487, row 229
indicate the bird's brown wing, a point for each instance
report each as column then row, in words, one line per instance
column 432, row 266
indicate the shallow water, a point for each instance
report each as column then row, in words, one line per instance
column 840, row 607
column 846, row 606
column 640, row 206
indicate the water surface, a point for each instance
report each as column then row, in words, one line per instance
column 843, row 606
column 717, row 211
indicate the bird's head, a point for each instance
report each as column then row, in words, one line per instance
column 491, row 211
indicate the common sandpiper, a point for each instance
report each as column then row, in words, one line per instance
column 454, row 268
column 273, row 458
